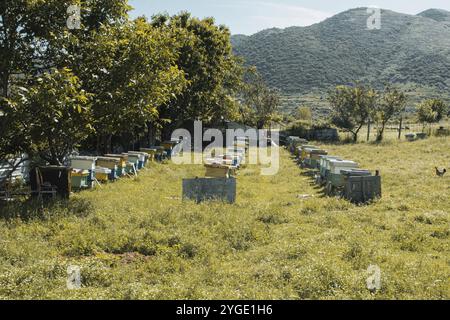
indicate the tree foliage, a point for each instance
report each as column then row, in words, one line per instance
column 111, row 78
column 259, row 105
column 391, row 104
column 54, row 115
column 351, row 107
column 431, row 111
column 212, row 72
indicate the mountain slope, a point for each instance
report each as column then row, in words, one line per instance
column 408, row 50
column 437, row 15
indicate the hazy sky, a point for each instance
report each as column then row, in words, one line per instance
column 251, row 16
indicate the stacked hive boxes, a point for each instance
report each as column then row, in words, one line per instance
column 81, row 164
column 122, row 162
column 112, row 164
column 341, row 177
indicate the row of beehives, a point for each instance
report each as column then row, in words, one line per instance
column 225, row 165
column 340, row 177
column 85, row 172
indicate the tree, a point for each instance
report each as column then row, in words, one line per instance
column 35, row 38
column 131, row 71
column 212, row 72
column 351, row 107
column 260, row 103
column 391, row 104
column 431, row 111
column 304, row 113
column 52, row 116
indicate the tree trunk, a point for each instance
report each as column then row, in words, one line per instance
column 5, row 85
column 400, row 128
column 368, row 130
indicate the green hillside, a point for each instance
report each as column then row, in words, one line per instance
column 437, row 15
column 411, row 51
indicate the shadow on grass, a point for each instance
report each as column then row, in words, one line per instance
column 33, row 209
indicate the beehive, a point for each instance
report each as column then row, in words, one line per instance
column 303, row 154
column 151, row 153
column 111, row 164
column 324, row 164
column 143, row 157
column 84, row 163
column 217, row 171
column 133, row 159
column 312, row 156
column 102, row 174
column 421, row 135
column 80, row 179
column 123, row 159
column 362, row 189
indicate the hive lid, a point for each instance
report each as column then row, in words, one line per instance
column 80, row 172
column 102, row 170
column 356, row 173
column 121, row 156
column 217, row 166
column 309, row 147
column 343, row 163
column 108, row 159
column 83, row 158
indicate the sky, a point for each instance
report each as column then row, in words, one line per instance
column 250, row 16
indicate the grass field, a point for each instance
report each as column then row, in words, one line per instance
column 281, row 240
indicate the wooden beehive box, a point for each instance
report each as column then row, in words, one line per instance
column 123, row 159
column 336, row 166
column 110, row 163
column 84, row 163
column 217, row 171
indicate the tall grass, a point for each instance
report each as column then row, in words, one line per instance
column 136, row 239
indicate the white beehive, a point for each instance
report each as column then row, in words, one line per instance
column 83, row 163
column 324, row 160
column 336, row 165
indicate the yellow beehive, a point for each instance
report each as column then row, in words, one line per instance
column 123, row 159
column 102, row 177
column 110, row 163
column 304, row 151
column 151, row 153
column 217, row 171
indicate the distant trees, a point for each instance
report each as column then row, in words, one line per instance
column 355, row 106
column 391, row 104
column 259, row 103
column 352, row 107
column 431, row 111
column 304, row 113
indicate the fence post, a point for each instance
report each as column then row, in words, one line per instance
column 400, row 128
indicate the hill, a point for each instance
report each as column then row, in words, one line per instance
column 437, row 15
column 411, row 51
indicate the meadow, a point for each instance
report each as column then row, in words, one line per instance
column 283, row 239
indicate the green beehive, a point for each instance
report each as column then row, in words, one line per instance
column 362, row 189
column 80, row 179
